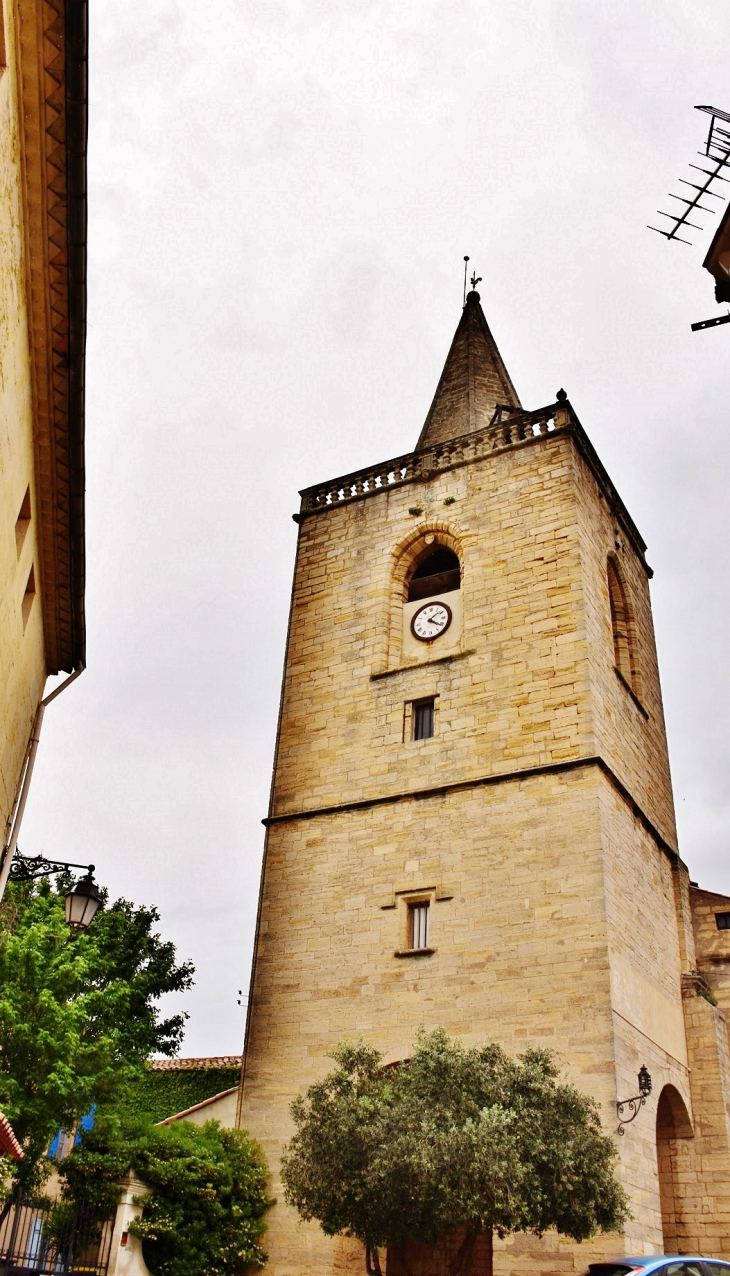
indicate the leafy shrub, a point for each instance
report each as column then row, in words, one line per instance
column 208, row 1192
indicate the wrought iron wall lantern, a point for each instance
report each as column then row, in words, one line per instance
column 82, row 901
column 633, row 1105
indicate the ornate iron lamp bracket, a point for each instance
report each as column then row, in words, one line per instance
column 633, row 1105
column 25, row 868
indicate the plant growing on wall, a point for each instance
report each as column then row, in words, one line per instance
column 78, row 1015
column 208, row 1192
column 449, row 1146
column 163, row 1094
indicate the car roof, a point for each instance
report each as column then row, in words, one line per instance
column 655, row 1260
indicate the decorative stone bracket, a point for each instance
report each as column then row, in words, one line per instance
column 440, row 895
column 694, row 984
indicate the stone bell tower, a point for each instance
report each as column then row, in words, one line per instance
column 471, row 820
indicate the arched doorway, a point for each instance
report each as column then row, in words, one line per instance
column 673, row 1129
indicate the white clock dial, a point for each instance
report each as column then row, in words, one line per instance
column 430, row 621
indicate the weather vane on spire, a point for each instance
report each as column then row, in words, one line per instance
column 475, row 279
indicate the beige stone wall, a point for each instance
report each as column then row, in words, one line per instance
column 631, row 741
column 221, row 1108
column 520, row 945
column 712, row 945
column 22, row 656
column 704, row 1170
column 522, row 955
column 646, row 998
column 556, row 915
column 516, row 695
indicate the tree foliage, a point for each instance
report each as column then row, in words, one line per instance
column 78, row 1014
column 450, row 1140
column 208, row 1192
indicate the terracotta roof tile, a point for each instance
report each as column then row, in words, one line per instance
column 184, row 1065
column 9, row 1145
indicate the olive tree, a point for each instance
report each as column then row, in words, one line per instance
column 452, row 1141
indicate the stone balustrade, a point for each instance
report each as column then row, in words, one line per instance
column 508, row 428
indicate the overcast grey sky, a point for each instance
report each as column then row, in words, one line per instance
column 281, row 196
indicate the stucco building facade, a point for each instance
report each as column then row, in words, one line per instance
column 43, row 56
column 471, row 821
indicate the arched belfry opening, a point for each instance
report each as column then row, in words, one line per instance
column 622, row 625
column 426, row 596
column 438, row 573
column 673, row 1147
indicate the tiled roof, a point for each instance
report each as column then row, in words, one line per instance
column 185, row 1065
column 9, row 1145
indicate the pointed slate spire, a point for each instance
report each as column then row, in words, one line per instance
column 473, row 382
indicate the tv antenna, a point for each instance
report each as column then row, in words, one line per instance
column 716, row 157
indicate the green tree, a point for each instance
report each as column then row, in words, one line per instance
column 78, row 1014
column 208, row 1192
column 452, row 1140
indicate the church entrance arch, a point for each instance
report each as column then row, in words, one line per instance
column 673, row 1130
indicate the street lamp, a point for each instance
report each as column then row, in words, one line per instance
column 635, row 1104
column 82, row 901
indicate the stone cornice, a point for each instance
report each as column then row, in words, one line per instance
column 486, row 781
column 51, row 56
column 509, row 429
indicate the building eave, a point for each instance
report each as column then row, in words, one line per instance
column 52, row 59
column 720, row 248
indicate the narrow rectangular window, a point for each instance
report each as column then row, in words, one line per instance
column 723, row 921
column 22, row 523
column 28, row 598
column 418, row 925
column 423, row 719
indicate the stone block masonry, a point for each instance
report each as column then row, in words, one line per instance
column 537, row 821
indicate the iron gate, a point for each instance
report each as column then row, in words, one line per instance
column 28, row 1245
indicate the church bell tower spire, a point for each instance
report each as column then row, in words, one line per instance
column 473, row 382
column 471, row 822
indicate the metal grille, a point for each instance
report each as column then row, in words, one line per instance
column 419, row 925
column 28, row 1245
column 423, row 720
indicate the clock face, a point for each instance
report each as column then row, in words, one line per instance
column 431, row 621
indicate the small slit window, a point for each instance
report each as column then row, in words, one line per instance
column 28, row 597
column 723, row 921
column 22, row 523
column 424, row 715
column 418, row 924
column 440, row 573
